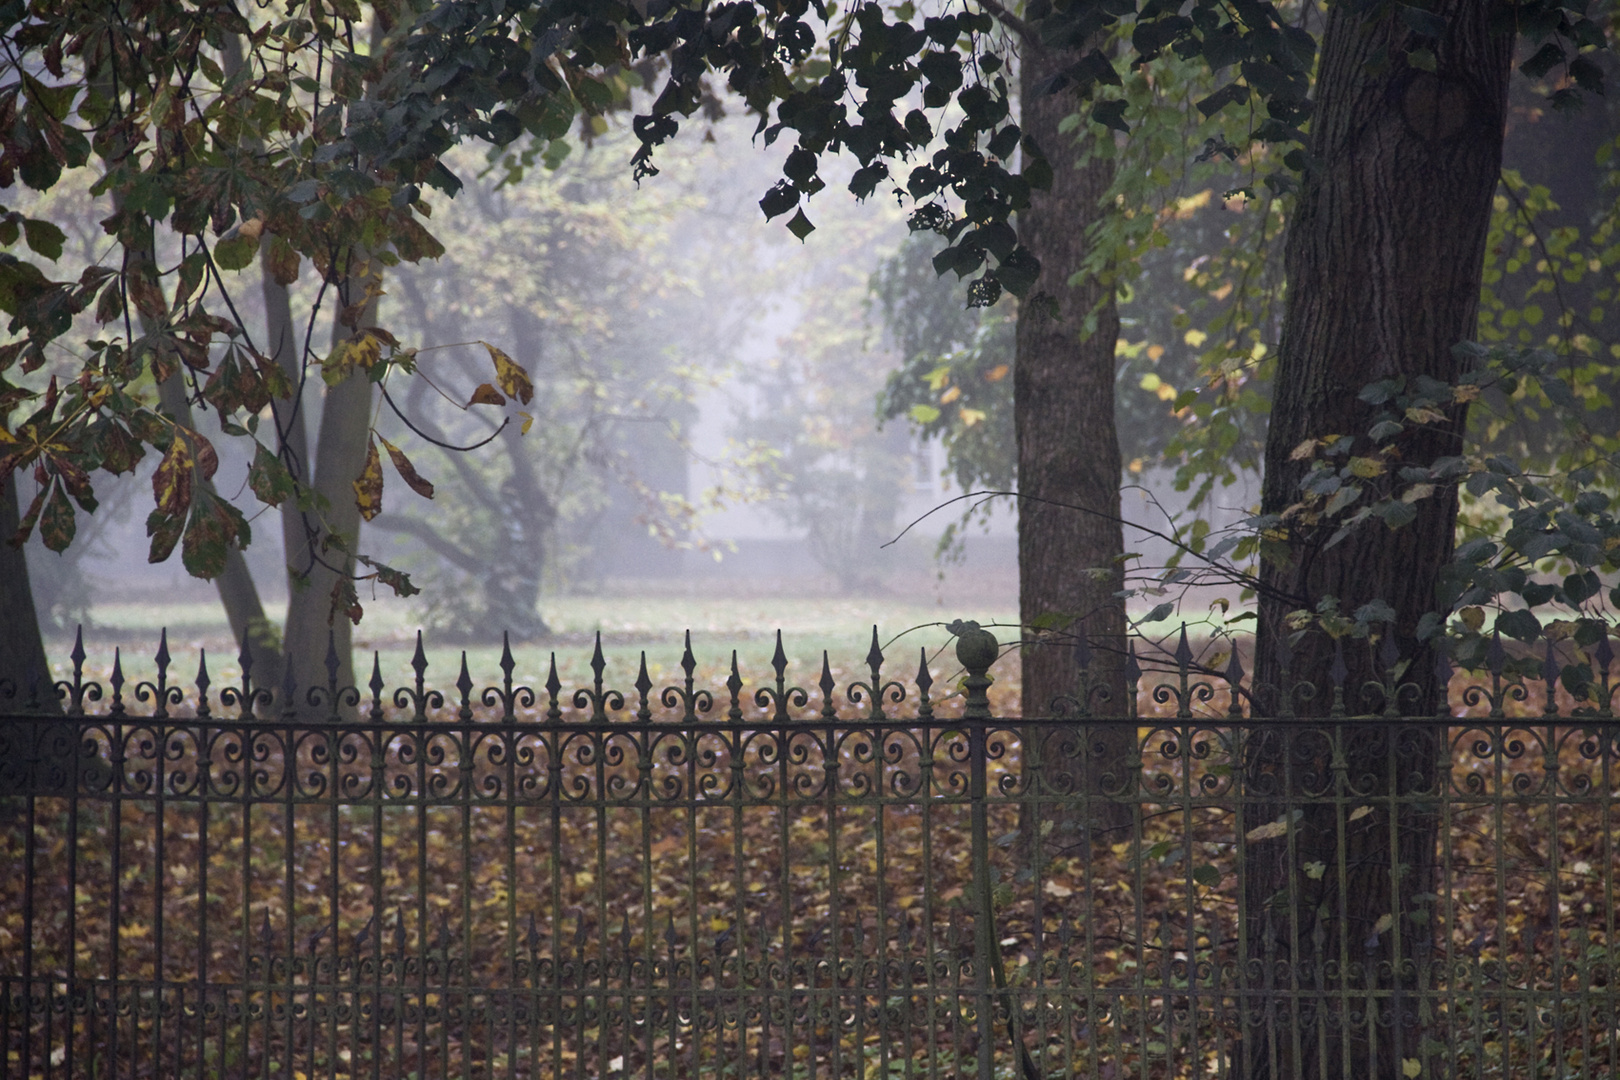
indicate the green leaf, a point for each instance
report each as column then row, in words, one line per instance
column 1519, row 624
column 236, row 252
column 44, row 238
column 165, row 530
column 1160, row 613
column 1207, row 876
column 272, row 484
column 1111, row 114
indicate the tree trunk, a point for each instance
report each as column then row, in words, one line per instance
column 238, row 593
column 25, row 674
column 1383, row 259
column 316, row 623
column 1068, row 453
column 292, row 439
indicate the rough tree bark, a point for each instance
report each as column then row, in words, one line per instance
column 1068, row 449
column 23, row 666
column 1383, row 259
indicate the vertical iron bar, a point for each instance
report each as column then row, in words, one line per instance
column 73, row 896
column 37, row 770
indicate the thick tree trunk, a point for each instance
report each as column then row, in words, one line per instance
column 25, row 675
column 1384, row 261
column 1068, row 454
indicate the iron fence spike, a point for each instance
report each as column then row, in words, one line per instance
column 1234, row 667
column 734, row 685
column 117, row 683
column 162, row 656
column 874, row 658
column 779, row 661
column 464, row 684
column 643, row 687
column 688, row 661
column 553, row 688
column 332, row 662
column 1338, row 672
column 508, row 665
column 377, row 685
column 1495, row 655
column 78, row 655
column 925, row 683
column 1082, row 648
column 1388, row 653
column 1183, row 651
column 1442, row 668
column 203, row 682
column 1605, row 652
column 419, row 662
column 289, row 688
column 828, row 708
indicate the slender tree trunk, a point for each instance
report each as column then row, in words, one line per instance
column 316, row 567
column 1384, row 260
column 24, row 670
column 238, row 593
column 1068, row 453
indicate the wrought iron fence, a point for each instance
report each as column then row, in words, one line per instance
column 881, row 883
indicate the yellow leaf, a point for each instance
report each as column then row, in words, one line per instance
column 970, row 417
column 1424, row 416
column 950, row 395
column 1154, row 352
column 1465, row 392
column 368, row 488
column 1315, row 870
column 1052, row 888
column 999, row 372
column 510, row 376
column 1365, row 467
column 1472, row 617
column 1268, row 832
column 1416, row 492
column 171, row 483
column 1360, row 812
column 528, row 422
column 1303, row 451
column 1411, row 1068
column 1385, row 921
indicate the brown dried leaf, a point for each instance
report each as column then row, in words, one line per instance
column 486, row 395
column 406, row 470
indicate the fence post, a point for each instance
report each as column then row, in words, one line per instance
column 976, row 649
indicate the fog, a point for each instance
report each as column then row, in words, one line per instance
column 705, row 421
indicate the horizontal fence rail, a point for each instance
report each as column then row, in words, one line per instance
column 865, row 881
